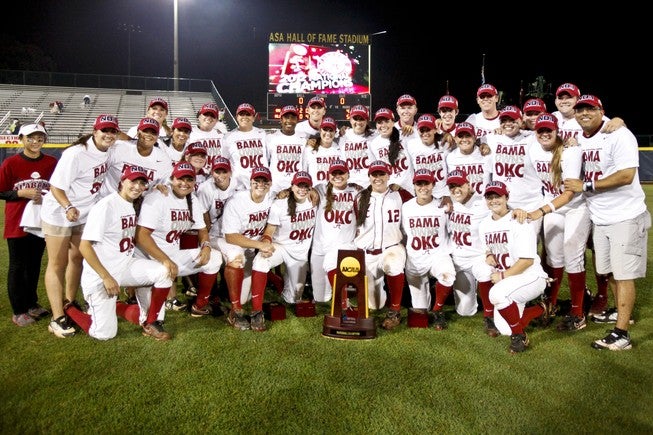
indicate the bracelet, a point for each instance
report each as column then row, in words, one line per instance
column 68, row 207
column 205, row 244
column 266, row 237
column 552, row 207
column 588, row 186
column 542, row 210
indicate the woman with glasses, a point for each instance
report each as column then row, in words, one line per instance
column 23, row 180
column 74, row 188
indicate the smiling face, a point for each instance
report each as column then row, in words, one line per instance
column 423, row 192
column 132, row 189
column 379, row 181
column 589, row 118
column 565, row 104
column 158, row 112
column 182, row 186
column 206, row 121
column 33, row 144
column 358, row 124
column 288, row 123
column 461, row 192
column 498, row 204
column 222, row 178
column 260, row 187
column 384, row 126
column 105, row 138
column 339, row 179
column 406, row 113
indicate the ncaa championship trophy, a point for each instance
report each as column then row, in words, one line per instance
column 349, row 320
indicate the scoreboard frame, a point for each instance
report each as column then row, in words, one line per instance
column 337, row 105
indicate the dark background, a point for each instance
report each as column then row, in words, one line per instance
column 429, row 48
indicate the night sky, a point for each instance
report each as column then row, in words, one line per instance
column 423, row 53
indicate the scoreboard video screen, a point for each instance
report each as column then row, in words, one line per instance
column 337, row 105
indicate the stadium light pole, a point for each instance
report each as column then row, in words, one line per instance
column 176, row 46
column 129, row 28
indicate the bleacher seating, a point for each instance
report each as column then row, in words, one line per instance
column 75, row 119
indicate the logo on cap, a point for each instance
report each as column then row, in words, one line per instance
column 534, row 105
column 149, row 124
column 302, row 177
column 546, row 120
column 465, row 127
column 183, row 169
column 511, row 112
column 338, row 165
column 426, row 121
column 316, row 100
column 195, row 148
column 133, row 173
column 406, row 99
column 246, row 107
column 456, row 178
column 588, row 100
column 289, row 109
column 106, row 121
column 328, row 122
column 448, row 101
column 496, row 187
column 487, row 89
column 423, row 175
column 158, row 100
column 261, row 172
column 384, row 113
column 221, row 163
column 378, row 166
column 359, row 110
column 569, row 88
column 181, row 122
column 210, row 108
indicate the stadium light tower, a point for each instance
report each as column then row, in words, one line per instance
column 176, row 46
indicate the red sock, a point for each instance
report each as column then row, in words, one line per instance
column 442, row 292
column 234, row 277
column 159, row 296
column 530, row 313
column 577, row 292
column 259, row 281
column 82, row 319
column 602, row 282
column 276, row 281
column 129, row 312
column 556, row 273
column 484, row 293
column 205, row 283
column 511, row 314
column 396, row 288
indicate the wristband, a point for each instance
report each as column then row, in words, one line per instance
column 68, row 207
column 588, row 186
column 552, row 207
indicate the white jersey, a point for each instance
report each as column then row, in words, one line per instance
column 175, row 156
column 122, row 155
column 511, row 164
column 603, row 155
column 382, row 226
column 111, row 226
column 402, row 169
column 572, row 167
column 569, row 127
column 509, row 241
column 433, row 158
column 317, row 161
column 80, row 172
column 213, row 200
column 163, row 135
column 305, row 129
column 169, row 217
column 354, row 152
column 426, row 232
column 212, row 141
column 285, row 154
column 294, row 233
column 406, row 137
column 244, row 216
column 483, row 125
column 336, row 227
column 463, row 227
column 245, row 150
column 477, row 168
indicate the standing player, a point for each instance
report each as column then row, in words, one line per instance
column 321, row 152
column 354, row 145
column 315, row 113
column 157, row 109
column 23, row 179
column 467, row 157
column 206, row 132
column 178, row 139
column 108, row 249
column 487, row 120
column 407, row 111
column 245, row 146
column 243, row 224
column 427, row 248
column 533, row 108
column 448, row 111
column 518, row 278
column 387, row 146
column 285, row 148
column 617, row 207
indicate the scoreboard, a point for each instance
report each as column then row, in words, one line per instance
column 337, row 105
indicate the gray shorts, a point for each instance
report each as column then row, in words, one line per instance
column 621, row 248
column 57, row 231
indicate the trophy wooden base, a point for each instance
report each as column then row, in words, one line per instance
column 305, row 309
column 348, row 328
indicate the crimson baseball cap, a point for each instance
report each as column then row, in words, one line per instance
column 195, row 148
column 182, row 122
column 423, row 175
column 246, row 107
column 158, row 100
column 486, row 89
column 221, row 163
column 211, row 108
column 406, row 99
column 568, row 88
column 588, row 100
column 316, row 100
column 289, row 109
column 426, row 120
column 457, row 178
column 302, row 177
column 496, row 187
column 149, row 124
column 378, row 166
column 465, row 127
column 534, row 105
column 328, row 122
column 183, row 169
column 546, row 120
column 261, row 172
column 106, row 121
column 28, row 129
column 384, row 113
column 511, row 112
column 134, row 173
column 338, row 165
column 359, row 110
column 448, row 101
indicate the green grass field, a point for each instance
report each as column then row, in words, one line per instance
column 213, row 379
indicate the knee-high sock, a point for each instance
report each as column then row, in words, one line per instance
column 442, row 292
column 205, row 283
column 396, row 288
column 82, row 319
column 577, row 292
column 129, row 312
column 556, row 273
column 259, row 281
column 511, row 314
column 530, row 313
column 484, row 293
column 602, row 284
column 234, row 277
column 276, row 281
column 159, row 296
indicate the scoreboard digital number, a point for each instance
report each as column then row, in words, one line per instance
column 337, row 105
